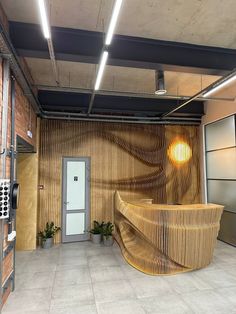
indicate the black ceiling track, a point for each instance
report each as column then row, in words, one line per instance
column 85, row 46
column 78, row 102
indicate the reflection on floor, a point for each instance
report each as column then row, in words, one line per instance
column 87, row 279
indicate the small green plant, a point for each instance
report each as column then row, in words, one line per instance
column 107, row 229
column 49, row 231
column 97, row 227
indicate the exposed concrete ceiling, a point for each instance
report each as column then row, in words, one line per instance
column 120, row 79
column 204, row 22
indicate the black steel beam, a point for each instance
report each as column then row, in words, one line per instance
column 85, row 46
column 78, row 102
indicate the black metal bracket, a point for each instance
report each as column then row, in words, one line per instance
column 9, row 153
column 3, row 152
column 8, row 250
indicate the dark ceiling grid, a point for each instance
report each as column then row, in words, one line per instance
column 84, row 46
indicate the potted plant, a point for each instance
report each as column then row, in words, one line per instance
column 96, row 232
column 107, row 234
column 47, row 235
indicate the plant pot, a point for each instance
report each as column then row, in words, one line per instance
column 96, row 238
column 108, row 240
column 47, row 243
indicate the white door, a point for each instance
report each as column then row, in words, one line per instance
column 75, row 200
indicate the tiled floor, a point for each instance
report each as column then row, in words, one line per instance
column 82, row 278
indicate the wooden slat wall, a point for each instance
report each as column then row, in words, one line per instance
column 183, row 182
column 26, row 222
column 130, row 158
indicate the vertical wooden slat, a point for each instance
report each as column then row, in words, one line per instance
column 130, row 158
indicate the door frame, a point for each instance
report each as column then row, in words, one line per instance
column 85, row 236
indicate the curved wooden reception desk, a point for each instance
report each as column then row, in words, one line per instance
column 166, row 239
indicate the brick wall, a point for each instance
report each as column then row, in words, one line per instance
column 25, row 119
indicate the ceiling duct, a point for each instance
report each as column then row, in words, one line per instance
column 160, row 83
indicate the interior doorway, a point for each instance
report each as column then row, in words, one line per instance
column 76, row 199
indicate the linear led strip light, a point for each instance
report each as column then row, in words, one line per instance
column 44, row 19
column 220, row 85
column 113, row 22
column 101, row 69
column 108, row 40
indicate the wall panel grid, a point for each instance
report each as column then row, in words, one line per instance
column 129, row 158
column 221, row 161
column 220, row 147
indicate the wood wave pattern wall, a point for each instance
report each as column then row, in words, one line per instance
column 128, row 158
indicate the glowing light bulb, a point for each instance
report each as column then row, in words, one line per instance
column 179, row 152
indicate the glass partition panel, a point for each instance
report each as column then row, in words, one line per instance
column 220, row 134
column 75, row 195
column 75, row 223
column 221, row 164
column 223, row 193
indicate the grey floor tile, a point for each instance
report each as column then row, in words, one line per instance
column 26, row 312
column 112, row 291
column 82, row 309
column 208, row 301
column 71, row 296
column 228, row 294
column 121, row 307
column 150, row 286
column 35, row 280
column 168, row 304
column 231, row 269
column 116, row 285
column 39, row 265
column 46, row 259
column 99, row 250
column 23, row 256
column 102, row 260
column 72, row 261
column 183, row 283
column 76, row 245
column 216, row 278
column 108, row 273
column 20, row 267
column 132, row 273
column 119, row 257
column 72, row 253
column 28, row 300
column 74, row 276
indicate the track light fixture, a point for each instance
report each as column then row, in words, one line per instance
column 160, row 83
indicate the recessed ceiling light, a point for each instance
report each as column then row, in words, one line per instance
column 161, row 92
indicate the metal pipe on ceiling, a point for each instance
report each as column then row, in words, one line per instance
column 91, row 102
column 53, row 60
column 119, row 121
column 125, row 94
column 208, row 88
column 120, row 117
